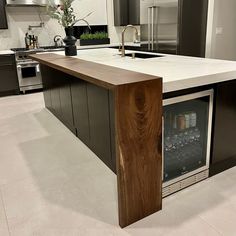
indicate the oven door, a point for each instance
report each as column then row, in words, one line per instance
column 29, row 74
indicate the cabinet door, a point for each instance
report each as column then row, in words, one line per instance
column 3, row 18
column 224, row 141
column 134, row 12
column 98, row 107
column 8, row 78
column 80, row 109
column 65, row 99
column 8, row 74
column 126, row 12
column 121, row 16
column 192, row 27
column 55, row 94
column 47, row 76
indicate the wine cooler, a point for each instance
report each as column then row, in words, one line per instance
column 187, row 139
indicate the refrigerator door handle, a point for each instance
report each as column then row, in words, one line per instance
column 156, row 33
column 152, row 36
column 149, row 28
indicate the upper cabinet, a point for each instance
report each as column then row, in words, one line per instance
column 126, row 12
column 98, row 9
column 3, row 18
column 192, row 27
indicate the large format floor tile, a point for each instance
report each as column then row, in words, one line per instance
column 53, row 185
column 3, row 221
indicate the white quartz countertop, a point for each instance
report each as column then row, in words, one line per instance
column 178, row 72
column 5, row 52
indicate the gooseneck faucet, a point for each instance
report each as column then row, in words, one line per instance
column 123, row 38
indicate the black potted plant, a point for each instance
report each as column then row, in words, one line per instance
column 64, row 14
column 94, row 39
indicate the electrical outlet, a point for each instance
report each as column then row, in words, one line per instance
column 219, row 30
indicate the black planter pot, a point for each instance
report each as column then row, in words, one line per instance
column 70, row 40
column 84, row 42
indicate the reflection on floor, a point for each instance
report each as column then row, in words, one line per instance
column 51, row 184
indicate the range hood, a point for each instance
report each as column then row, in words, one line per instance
column 16, row 3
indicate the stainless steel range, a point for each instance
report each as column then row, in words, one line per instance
column 28, row 70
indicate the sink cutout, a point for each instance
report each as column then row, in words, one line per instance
column 142, row 55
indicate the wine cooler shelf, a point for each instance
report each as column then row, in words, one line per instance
column 181, row 121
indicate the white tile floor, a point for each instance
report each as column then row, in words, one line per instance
column 53, row 185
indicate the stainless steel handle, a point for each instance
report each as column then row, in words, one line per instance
column 149, row 28
column 157, row 16
column 152, row 29
column 24, row 65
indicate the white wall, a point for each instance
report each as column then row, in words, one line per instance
column 98, row 7
column 221, row 35
column 19, row 18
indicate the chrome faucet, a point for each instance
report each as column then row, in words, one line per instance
column 123, row 38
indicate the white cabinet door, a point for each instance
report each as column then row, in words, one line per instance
column 98, row 7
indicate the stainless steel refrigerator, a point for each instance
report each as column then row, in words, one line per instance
column 174, row 26
column 159, row 24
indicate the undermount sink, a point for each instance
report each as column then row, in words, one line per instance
column 142, row 55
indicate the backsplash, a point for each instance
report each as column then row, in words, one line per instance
column 19, row 18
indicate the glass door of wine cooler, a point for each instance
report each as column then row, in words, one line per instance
column 187, row 134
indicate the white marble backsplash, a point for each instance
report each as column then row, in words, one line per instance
column 19, row 19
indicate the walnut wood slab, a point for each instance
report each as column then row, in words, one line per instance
column 138, row 110
column 101, row 75
column 138, row 124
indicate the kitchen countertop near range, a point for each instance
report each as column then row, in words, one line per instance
column 5, row 52
column 178, row 72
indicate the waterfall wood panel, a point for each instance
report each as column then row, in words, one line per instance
column 125, row 126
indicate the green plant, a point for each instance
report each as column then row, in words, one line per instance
column 96, row 35
column 64, row 13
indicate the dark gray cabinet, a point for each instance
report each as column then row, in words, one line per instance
column 66, row 102
column 126, row 12
column 134, row 12
column 57, row 95
column 3, row 18
column 80, row 109
column 86, row 109
column 47, row 85
column 224, row 132
column 8, row 75
column 192, row 27
column 99, row 122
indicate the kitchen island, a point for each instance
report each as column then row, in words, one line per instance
column 114, row 105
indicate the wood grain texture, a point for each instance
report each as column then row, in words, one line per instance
column 98, row 74
column 138, row 111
